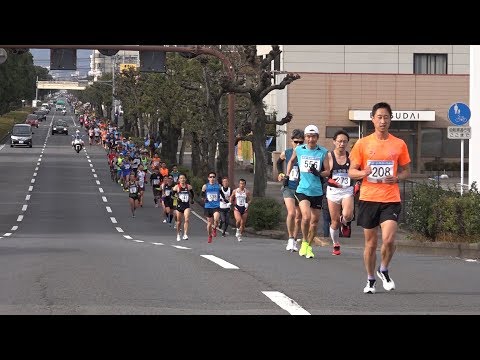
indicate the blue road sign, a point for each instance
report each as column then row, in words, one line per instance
column 459, row 114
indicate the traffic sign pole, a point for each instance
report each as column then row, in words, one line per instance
column 461, row 165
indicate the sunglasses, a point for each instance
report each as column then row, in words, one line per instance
column 298, row 141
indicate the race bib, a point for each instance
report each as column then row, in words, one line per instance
column 212, row 197
column 380, row 170
column 293, row 176
column 184, row 197
column 133, row 189
column 156, row 181
column 241, row 201
column 342, row 179
column 307, row 161
column 167, row 192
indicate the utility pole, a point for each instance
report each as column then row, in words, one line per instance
column 114, row 63
column 36, row 92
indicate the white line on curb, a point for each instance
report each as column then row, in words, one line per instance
column 20, row 218
column 119, row 229
column 104, row 199
column 113, row 220
column 108, row 209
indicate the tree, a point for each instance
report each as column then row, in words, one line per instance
column 257, row 83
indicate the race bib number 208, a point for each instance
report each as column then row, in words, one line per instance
column 380, row 170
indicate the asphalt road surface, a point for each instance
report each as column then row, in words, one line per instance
column 68, row 245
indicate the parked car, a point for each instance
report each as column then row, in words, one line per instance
column 32, row 120
column 59, row 127
column 21, row 135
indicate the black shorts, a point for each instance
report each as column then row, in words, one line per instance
column 315, row 201
column 208, row 212
column 133, row 196
column 168, row 202
column 182, row 206
column 241, row 209
column 372, row 213
column 156, row 193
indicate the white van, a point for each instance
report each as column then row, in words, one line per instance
column 21, row 135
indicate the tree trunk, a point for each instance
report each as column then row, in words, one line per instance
column 212, row 149
column 260, row 179
column 195, row 154
column 170, row 138
column 182, row 150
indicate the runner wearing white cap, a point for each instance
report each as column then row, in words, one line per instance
column 309, row 192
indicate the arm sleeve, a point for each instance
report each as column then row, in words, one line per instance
column 280, row 165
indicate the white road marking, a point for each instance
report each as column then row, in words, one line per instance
column 113, row 220
column 156, row 243
column 138, row 240
column 98, row 182
column 91, row 165
column 32, row 181
column 89, row 160
column 119, row 229
column 93, row 170
column 24, row 207
column 30, row 188
column 100, row 189
column 108, row 209
column 285, row 303
column 27, row 197
column 94, row 175
column 14, row 228
column 7, row 234
column 221, row 262
column 181, row 247
column 41, row 156
column 73, row 121
column 104, row 199
column 36, row 169
column 88, row 157
column 38, row 163
column 20, row 218
column 2, row 146
column 127, row 237
column 34, row 174
column 470, row 260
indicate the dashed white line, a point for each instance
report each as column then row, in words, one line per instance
column 113, row 220
column 108, row 209
column 14, row 228
column 93, row 170
column 41, row 156
column 27, row 197
column 138, row 240
column 7, row 234
column 91, row 165
column 127, row 237
column 88, row 157
column 181, row 247
column 38, row 163
column 104, row 199
column 32, row 181
column 2, row 146
column 98, row 182
column 36, row 169
column 24, row 207
column 100, row 189
column 20, row 218
column 221, row 262
column 30, row 188
column 285, row 303
column 89, row 160
column 94, row 175
column 470, row 260
column 119, row 229
column 34, row 174
column 155, row 243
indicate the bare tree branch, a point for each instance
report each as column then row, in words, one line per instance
column 270, row 57
column 285, row 120
column 286, row 81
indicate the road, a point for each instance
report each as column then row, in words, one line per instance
column 70, row 246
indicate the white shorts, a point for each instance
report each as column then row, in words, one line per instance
column 336, row 195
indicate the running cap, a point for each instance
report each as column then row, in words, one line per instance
column 311, row 129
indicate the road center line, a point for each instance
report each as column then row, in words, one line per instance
column 181, row 247
column 32, row 181
column 140, row 241
column 285, row 303
column 14, row 228
column 98, row 182
column 20, row 218
column 155, row 243
column 113, row 220
column 127, row 237
column 30, row 188
column 24, row 207
column 119, row 229
column 104, row 199
column 7, row 234
column 108, row 209
column 100, row 189
column 221, row 262
column 27, row 197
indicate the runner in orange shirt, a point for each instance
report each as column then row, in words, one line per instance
column 381, row 160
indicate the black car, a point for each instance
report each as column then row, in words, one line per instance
column 59, row 127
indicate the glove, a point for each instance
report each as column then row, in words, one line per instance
column 285, row 181
column 314, row 171
column 333, row 183
column 356, row 188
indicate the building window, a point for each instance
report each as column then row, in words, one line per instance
column 352, row 131
column 276, row 63
column 436, row 143
column 430, row 63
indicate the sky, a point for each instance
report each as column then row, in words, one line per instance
column 41, row 57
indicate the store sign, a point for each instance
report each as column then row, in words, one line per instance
column 398, row 115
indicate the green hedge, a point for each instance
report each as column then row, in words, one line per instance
column 264, row 213
column 444, row 215
column 447, row 166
